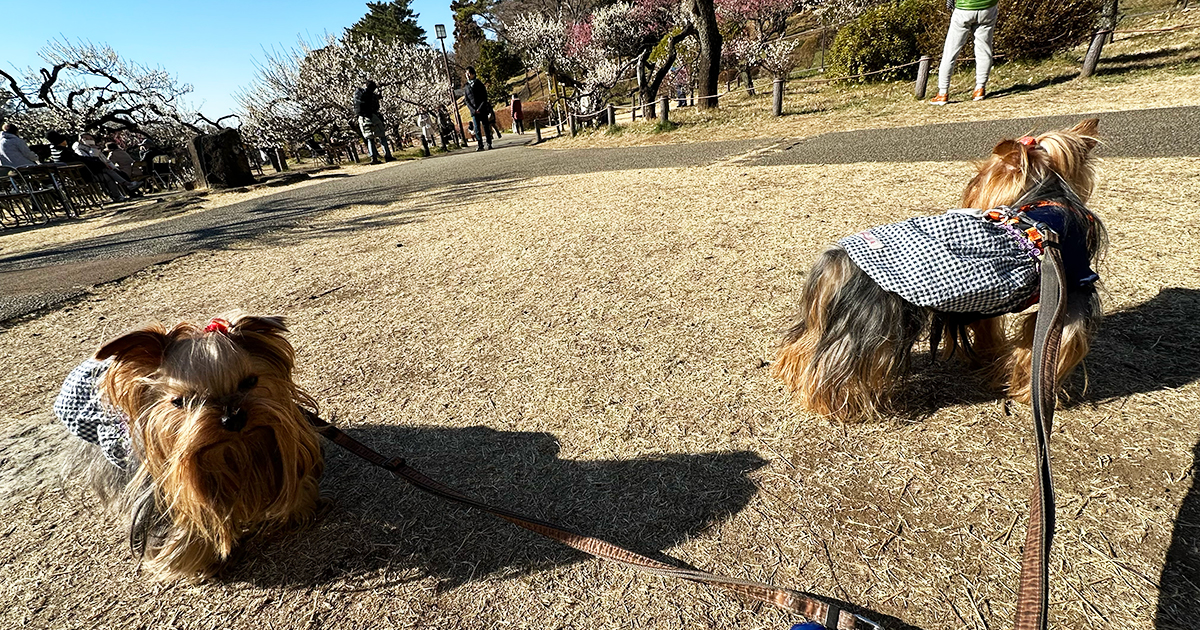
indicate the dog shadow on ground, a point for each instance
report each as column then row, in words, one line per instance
column 383, row 532
column 1145, row 348
column 376, row 522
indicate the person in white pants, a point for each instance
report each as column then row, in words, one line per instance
column 970, row 16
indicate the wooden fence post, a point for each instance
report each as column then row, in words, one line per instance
column 573, row 123
column 666, row 109
column 777, row 97
column 612, row 115
column 1093, row 55
column 922, row 83
column 537, row 132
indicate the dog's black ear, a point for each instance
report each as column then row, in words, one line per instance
column 143, row 348
column 1089, row 130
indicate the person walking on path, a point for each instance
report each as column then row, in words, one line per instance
column 477, row 102
column 366, row 107
column 518, row 116
column 970, row 16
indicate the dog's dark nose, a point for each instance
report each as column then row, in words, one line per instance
column 234, row 419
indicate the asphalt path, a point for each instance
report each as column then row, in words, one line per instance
column 1164, row 132
column 34, row 281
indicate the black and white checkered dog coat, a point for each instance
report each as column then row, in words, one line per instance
column 957, row 262
column 79, row 406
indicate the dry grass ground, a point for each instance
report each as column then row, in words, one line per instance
column 1137, row 71
column 595, row 350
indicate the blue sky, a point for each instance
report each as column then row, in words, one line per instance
column 212, row 45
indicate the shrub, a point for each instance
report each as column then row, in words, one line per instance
column 885, row 36
column 1035, row 29
column 894, row 34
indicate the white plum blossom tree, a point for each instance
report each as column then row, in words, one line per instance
column 305, row 90
column 90, row 87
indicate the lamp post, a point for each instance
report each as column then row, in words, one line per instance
column 440, row 31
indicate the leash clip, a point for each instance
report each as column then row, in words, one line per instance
column 870, row 624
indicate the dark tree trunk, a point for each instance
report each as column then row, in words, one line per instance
column 708, row 65
column 650, row 76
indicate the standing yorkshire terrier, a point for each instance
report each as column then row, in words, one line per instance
column 870, row 298
column 197, row 434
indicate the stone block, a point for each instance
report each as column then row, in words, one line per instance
column 220, row 160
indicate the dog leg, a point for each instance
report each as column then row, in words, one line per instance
column 1079, row 326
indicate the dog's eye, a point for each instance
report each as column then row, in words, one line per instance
column 248, row 383
column 177, row 401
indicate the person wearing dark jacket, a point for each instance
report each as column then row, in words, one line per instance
column 477, row 102
column 366, row 107
column 60, row 151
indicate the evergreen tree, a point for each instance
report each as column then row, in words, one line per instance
column 389, row 22
column 497, row 63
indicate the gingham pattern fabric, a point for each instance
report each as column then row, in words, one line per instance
column 80, row 408
column 956, row 262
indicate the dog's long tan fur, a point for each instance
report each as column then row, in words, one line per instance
column 831, row 381
column 203, row 483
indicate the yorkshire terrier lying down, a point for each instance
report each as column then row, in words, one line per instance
column 869, row 299
column 197, row 435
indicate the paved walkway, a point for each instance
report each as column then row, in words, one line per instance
column 1165, row 132
column 38, row 280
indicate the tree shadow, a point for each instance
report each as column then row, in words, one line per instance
column 287, row 220
column 1158, row 59
column 378, row 523
column 1021, row 88
column 1146, row 348
column 1171, row 53
column 1179, row 583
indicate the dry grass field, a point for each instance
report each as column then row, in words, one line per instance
column 596, row 350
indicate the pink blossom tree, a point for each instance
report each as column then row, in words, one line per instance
column 755, row 29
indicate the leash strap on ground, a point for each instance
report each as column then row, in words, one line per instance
column 1033, row 588
column 829, row 614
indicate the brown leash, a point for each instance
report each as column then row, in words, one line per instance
column 1033, row 588
column 827, row 613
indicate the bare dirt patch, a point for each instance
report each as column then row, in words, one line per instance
column 595, row 350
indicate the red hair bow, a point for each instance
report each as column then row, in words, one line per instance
column 1028, row 141
column 217, row 325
